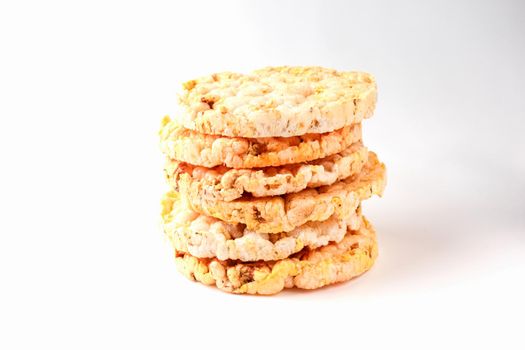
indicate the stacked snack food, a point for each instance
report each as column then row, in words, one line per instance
column 267, row 174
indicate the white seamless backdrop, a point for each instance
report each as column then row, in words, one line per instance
column 84, row 85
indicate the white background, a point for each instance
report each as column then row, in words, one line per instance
column 83, row 86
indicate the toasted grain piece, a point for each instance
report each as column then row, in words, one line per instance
column 226, row 184
column 206, row 237
column 308, row 269
column 238, row 152
column 285, row 213
column 277, row 101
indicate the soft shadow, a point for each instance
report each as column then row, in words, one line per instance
column 413, row 255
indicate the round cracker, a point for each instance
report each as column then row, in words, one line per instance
column 238, row 152
column 285, row 213
column 309, row 269
column 206, row 237
column 277, row 101
column 226, row 184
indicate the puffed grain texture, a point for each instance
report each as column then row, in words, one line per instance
column 309, row 269
column 238, row 152
column 277, row 101
column 285, row 213
column 226, row 184
column 206, row 237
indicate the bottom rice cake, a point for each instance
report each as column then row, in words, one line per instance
column 308, row 269
column 285, row 213
column 203, row 236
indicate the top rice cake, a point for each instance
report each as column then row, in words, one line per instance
column 277, row 102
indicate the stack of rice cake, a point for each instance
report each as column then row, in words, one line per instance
column 267, row 173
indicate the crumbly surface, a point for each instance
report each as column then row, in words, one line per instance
column 285, row 213
column 238, row 152
column 277, row 101
column 226, row 184
column 308, row 269
column 206, row 237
